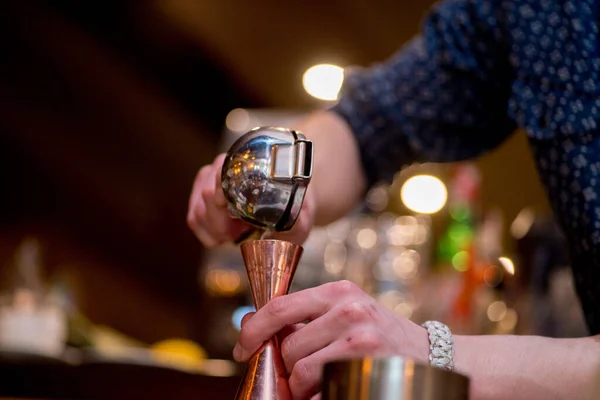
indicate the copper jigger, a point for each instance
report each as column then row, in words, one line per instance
column 271, row 265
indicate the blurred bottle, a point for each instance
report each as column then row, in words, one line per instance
column 29, row 320
column 463, row 204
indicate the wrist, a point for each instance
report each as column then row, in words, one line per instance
column 421, row 345
column 441, row 345
column 463, row 359
column 492, row 363
column 417, row 347
column 526, row 367
column 477, row 360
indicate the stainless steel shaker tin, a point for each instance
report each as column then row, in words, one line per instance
column 393, row 378
column 265, row 176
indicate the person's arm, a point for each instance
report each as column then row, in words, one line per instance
column 530, row 367
column 346, row 323
column 443, row 97
column 338, row 181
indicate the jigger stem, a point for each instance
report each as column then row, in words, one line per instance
column 265, row 377
column 271, row 265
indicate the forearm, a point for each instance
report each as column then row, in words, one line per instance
column 338, row 181
column 529, row 367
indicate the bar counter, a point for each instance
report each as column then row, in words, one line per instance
column 37, row 377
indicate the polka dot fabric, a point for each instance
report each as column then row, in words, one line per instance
column 570, row 170
column 478, row 71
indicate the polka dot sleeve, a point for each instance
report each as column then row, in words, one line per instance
column 442, row 97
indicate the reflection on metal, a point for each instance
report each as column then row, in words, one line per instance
column 265, row 176
column 271, row 265
column 391, row 378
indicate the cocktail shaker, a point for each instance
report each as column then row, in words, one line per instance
column 391, row 378
column 265, row 176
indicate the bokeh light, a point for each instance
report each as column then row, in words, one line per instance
column 424, row 194
column 508, row 265
column 323, row 81
column 238, row 120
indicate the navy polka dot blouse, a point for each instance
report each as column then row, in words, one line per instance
column 479, row 70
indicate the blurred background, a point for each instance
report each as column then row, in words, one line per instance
column 109, row 108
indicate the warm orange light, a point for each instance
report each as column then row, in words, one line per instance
column 323, row 81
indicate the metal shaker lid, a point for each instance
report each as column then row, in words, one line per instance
column 265, row 176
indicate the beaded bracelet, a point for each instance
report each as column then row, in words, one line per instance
column 441, row 345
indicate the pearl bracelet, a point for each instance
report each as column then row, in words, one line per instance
column 441, row 345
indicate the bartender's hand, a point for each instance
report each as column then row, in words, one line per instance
column 344, row 322
column 211, row 222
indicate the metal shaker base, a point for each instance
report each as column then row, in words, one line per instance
column 392, row 378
